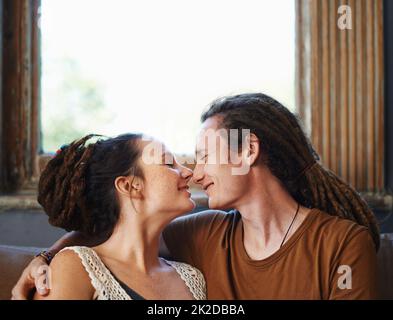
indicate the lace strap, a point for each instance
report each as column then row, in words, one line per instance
column 192, row 277
column 106, row 286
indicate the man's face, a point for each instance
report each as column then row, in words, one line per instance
column 216, row 167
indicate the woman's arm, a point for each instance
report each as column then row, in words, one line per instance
column 32, row 273
column 67, row 279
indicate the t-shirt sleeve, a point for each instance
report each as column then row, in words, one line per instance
column 186, row 237
column 354, row 274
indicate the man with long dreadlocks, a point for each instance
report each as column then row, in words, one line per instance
column 295, row 231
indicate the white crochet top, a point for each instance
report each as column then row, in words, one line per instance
column 108, row 288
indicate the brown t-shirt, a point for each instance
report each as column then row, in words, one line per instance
column 306, row 267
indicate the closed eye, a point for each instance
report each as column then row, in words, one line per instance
column 168, row 160
column 172, row 165
column 203, row 158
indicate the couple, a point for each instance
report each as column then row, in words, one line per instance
column 296, row 230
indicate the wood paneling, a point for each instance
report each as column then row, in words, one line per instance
column 340, row 85
column 1, row 94
column 20, row 92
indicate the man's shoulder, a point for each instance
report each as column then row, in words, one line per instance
column 187, row 236
column 207, row 220
column 336, row 229
column 208, row 217
column 212, row 214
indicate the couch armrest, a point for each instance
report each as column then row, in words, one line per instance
column 12, row 262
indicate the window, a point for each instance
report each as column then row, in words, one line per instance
column 240, row 47
column 154, row 66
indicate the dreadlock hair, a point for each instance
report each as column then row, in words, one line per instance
column 76, row 188
column 289, row 155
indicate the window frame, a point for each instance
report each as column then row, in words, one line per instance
column 21, row 66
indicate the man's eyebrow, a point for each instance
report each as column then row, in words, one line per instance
column 199, row 151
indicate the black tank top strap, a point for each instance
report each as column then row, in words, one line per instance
column 133, row 294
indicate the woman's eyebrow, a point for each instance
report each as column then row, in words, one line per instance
column 167, row 156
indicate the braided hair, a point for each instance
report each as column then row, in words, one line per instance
column 76, row 188
column 289, row 155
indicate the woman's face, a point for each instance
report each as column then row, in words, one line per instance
column 165, row 181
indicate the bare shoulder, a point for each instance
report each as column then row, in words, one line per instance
column 67, row 278
column 67, row 259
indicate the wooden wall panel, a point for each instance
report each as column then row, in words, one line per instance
column 340, row 85
column 20, row 91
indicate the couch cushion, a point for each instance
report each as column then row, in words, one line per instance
column 12, row 262
column 385, row 266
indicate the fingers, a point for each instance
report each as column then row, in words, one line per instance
column 22, row 288
column 34, row 275
column 42, row 284
column 41, row 274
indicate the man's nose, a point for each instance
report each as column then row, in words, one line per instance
column 198, row 174
column 186, row 173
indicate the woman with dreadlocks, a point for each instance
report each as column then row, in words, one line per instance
column 295, row 231
column 106, row 189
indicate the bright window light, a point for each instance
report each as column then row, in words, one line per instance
column 111, row 67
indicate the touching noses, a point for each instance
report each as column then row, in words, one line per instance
column 198, row 174
column 186, row 173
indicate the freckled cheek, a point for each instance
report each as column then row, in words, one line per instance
column 159, row 194
column 166, row 182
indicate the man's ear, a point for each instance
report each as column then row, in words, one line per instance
column 252, row 149
column 129, row 186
